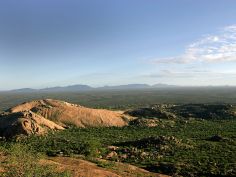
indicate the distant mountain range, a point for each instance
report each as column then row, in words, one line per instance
column 74, row 88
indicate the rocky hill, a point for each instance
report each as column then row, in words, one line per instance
column 36, row 117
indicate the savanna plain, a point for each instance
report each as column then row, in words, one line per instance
column 166, row 132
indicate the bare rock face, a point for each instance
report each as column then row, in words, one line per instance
column 111, row 155
column 25, row 122
column 37, row 117
column 66, row 113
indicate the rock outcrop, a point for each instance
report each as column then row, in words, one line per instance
column 37, row 117
column 25, row 122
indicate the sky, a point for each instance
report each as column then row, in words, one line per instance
column 45, row 43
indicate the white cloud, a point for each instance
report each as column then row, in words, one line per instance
column 219, row 47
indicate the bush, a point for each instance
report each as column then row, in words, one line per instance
column 23, row 162
column 92, row 148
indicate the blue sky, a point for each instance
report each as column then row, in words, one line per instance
column 47, row 43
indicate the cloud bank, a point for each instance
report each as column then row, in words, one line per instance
column 210, row 60
column 218, row 47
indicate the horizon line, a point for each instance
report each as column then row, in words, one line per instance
column 100, row 87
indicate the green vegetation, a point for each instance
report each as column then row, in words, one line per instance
column 186, row 111
column 189, row 139
column 184, row 148
column 124, row 99
column 24, row 162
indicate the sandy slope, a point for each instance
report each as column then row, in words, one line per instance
column 83, row 168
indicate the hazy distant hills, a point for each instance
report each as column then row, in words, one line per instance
column 68, row 88
column 23, row 90
column 79, row 87
column 135, row 86
column 129, row 86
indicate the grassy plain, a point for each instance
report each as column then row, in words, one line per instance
column 123, row 99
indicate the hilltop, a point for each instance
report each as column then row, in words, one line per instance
column 36, row 117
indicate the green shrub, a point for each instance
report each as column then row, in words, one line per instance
column 92, row 148
column 23, row 162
